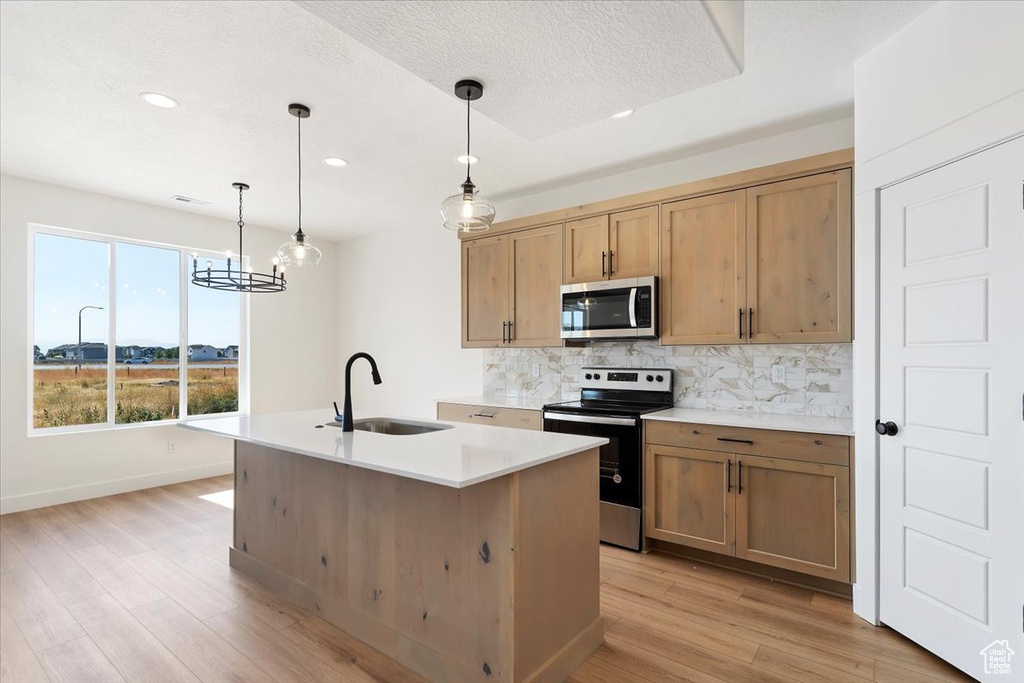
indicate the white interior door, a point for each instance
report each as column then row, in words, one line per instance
column 952, row 380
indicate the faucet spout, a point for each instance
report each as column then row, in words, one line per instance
column 346, row 423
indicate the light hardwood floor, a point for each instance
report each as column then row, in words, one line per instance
column 137, row 587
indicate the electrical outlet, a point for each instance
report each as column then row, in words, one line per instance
column 536, row 370
column 172, row 447
column 778, row 374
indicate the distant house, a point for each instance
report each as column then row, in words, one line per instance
column 133, row 351
column 230, row 352
column 36, row 353
column 88, row 352
column 198, row 352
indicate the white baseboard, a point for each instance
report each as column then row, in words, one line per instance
column 30, row 501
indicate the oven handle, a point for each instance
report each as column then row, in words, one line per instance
column 632, row 307
column 591, row 419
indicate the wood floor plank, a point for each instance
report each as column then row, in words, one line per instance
column 10, row 557
column 612, row 664
column 337, row 647
column 133, row 650
column 800, row 669
column 62, row 530
column 78, row 661
column 18, row 664
column 244, row 591
column 272, row 652
column 66, row 578
column 185, row 589
column 134, row 517
column 887, row 672
column 106, row 532
column 115, row 575
column 21, row 528
column 206, row 654
column 43, row 619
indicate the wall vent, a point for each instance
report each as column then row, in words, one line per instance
column 189, row 200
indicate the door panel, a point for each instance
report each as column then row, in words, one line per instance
column 703, row 270
column 689, row 499
column 794, row 515
column 586, row 250
column 634, row 243
column 536, row 263
column 485, row 291
column 951, row 371
column 798, row 259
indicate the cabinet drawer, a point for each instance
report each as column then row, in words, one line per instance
column 822, row 448
column 486, row 415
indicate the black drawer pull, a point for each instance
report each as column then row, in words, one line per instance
column 746, row 441
column 739, row 487
column 728, row 476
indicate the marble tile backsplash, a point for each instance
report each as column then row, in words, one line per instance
column 819, row 377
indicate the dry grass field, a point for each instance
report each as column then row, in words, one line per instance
column 141, row 394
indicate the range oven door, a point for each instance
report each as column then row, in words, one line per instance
column 620, row 470
column 612, row 309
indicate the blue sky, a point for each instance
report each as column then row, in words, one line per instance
column 72, row 272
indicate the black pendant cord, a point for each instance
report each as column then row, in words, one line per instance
column 299, row 233
column 241, row 224
column 468, row 157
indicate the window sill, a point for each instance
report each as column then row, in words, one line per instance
column 34, row 432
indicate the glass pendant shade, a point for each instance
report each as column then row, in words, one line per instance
column 298, row 252
column 467, row 211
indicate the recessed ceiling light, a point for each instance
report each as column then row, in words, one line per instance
column 464, row 158
column 623, row 114
column 158, row 100
column 335, row 161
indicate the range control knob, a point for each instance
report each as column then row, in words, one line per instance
column 589, row 376
column 660, row 378
column 597, row 375
column 650, row 378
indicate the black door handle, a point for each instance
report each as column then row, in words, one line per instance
column 604, row 255
column 611, row 263
column 886, row 428
column 741, row 322
column 739, row 478
column 750, row 323
column 509, row 331
column 728, row 476
column 504, row 328
column 746, row 441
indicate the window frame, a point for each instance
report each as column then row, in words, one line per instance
column 184, row 282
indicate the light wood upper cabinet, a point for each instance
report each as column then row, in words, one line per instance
column 510, row 289
column 586, row 250
column 633, row 243
column 690, row 499
column 536, row 263
column 485, row 291
column 799, row 259
column 703, row 270
column 794, row 515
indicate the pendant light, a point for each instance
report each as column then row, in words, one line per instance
column 467, row 211
column 237, row 280
column 298, row 251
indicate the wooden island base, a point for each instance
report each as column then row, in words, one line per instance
column 496, row 581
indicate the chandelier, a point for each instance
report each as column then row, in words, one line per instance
column 237, row 279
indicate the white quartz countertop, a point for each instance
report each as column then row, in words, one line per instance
column 786, row 423
column 458, row 457
column 501, row 401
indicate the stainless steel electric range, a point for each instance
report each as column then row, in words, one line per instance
column 611, row 403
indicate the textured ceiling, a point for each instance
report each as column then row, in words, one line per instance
column 546, row 67
column 70, row 74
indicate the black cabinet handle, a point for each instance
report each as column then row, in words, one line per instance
column 886, row 428
column 750, row 323
column 728, row 476
column 504, row 328
column 746, row 441
column 603, row 256
column 509, row 331
column 739, row 481
column 611, row 263
column 741, row 322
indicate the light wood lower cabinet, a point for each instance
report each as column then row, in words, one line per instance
column 520, row 418
column 776, row 508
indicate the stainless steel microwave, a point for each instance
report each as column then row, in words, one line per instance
column 611, row 309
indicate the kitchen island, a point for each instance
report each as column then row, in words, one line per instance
column 467, row 553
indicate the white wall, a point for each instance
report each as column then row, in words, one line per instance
column 950, row 83
column 286, row 330
column 400, row 295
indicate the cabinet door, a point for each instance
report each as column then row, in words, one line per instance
column 794, row 515
column 703, row 266
column 485, row 291
column 536, row 264
column 633, row 243
column 586, row 250
column 689, row 499
column 799, row 259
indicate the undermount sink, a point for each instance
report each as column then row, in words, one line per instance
column 384, row 425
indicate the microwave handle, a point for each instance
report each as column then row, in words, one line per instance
column 632, row 307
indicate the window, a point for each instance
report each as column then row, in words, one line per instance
column 121, row 336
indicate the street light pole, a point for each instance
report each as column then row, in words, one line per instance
column 98, row 308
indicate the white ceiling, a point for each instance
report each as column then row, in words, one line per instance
column 70, row 74
column 579, row 61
